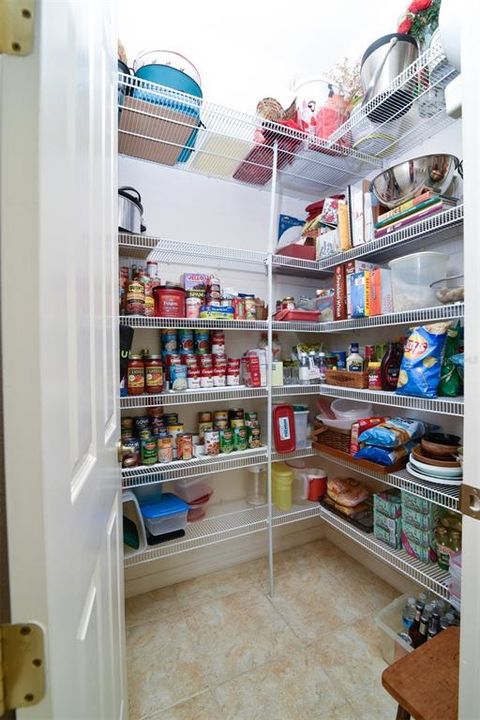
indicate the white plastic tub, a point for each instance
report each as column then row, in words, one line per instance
column 389, row 621
column 412, row 276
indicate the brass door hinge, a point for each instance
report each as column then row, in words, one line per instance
column 470, row 501
column 17, row 26
column 22, row 666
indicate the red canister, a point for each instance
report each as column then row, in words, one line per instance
column 169, row 301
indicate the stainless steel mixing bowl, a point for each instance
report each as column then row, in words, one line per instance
column 407, row 179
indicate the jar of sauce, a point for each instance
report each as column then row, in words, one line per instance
column 154, row 374
column 136, row 375
column 135, row 302
column 288, row 303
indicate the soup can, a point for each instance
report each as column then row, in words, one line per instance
column 203, row 427
column 226, row 440
column 185, row 341
column 169, row 341
column 142, row 422
column 240, row 438
column 184, row 446
column 148, row 451
column 202, row 341
column 212, row 442
column 254, row 437
column 165, row 449
column 171, row 418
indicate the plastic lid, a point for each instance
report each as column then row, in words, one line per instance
column 300, row 408
column 169, row 505
column 348, row 409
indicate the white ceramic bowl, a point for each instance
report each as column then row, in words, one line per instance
column 169, row 58
column 434, row 471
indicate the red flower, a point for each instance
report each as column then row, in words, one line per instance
column 417, row 6
column 405, row 26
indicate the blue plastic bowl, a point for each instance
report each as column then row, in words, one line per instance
column 170, row 77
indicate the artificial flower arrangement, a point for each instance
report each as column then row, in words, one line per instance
column 420, row 20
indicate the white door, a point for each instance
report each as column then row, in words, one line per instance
column 59, row 345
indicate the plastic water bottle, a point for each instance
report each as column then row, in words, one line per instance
column 408, row 615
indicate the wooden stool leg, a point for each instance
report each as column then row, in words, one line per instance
column 402, row 714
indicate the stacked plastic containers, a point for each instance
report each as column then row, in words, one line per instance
column 197, row 494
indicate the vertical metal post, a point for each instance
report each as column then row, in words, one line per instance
column 271, row 250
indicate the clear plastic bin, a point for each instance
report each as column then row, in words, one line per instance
column 167, row 516
column 191, row 489
column 301, row 425
column 389, row 621
column 411, row 279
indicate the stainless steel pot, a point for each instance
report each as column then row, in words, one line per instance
column 130, row 210
column 383, row 60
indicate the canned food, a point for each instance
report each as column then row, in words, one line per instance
column 220, row 415
column 135, row 298
column 145, row 434
column 203, row 427
column 219, row 377
column 192, row 307
column 149, row 305
column 184, row 446
column 226, row 302
column 218, row 342
column 142, row 422
column 126, row 435
column 237, row 423
column 185, row 341
column 126, row 423
column 251, row 418
column 226, row 441
column 239, row 308
column 205, row 360
column 171, row 418
column 204, row 417
column 288, row 303
column 240, row 438
column 233, row 376
column 134, row 457
column 148, row 451
column 213, row 285
column 176, row 428
column 250, row 308
column 212, row 442
column 169, row 341
column 220, row 361
column 236, row 414
column 190, row 360
column 206, row 377
column 165, row 449
column 193, row 378
column 202, row 341
column 220, row 424
column 254, row 437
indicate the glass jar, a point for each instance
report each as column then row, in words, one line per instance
column 153, row 374
column 136, row 375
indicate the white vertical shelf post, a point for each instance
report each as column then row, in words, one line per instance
column 272, row 242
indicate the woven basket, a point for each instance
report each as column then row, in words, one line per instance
column 333, row 437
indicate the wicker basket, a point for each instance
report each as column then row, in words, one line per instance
column 344, row 378
column 333, row 437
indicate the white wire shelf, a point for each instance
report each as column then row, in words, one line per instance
column 295, row 266
column 280, row 326
column 161, row 125
column 429, row 576
column 405, row 114
column 139, row 321
column 416, row 236
column 190, row 397
column 168, row 251
column 286, row 390
column 179, row 469
column 225, row 526
column 440, row 405
column 443, row 495
column 405, row 317
column 300, row 453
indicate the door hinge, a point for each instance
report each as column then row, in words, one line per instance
column 17, row 26
column 22, row 666
column 470, row 501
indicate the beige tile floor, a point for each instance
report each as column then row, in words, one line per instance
column 217, row 648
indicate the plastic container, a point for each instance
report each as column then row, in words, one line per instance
column 282, row 481
column 256, row 493
column 284, row 428
column 191, row 489
column 166, row 516
column 411, row 279
column 301, row 424
column 348, row 410
column 198, row 508
column 169, row 301
column 389, row 620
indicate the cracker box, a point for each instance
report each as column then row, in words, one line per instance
column 381, row 297
column 360, row 294
column 195, row 281
column 339, row 293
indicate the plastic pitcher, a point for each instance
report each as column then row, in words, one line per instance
column 282, row 481
column 301, row 424
column 314, row 484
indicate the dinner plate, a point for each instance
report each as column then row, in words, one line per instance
column 435, row 481
column 419, row 456
column 435, row 471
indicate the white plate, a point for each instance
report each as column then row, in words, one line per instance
column 433, row 470
column 435, row 481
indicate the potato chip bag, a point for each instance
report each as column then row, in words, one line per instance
column 422, row 361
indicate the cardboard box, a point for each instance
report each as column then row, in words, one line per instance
column 305, row 250
column 339, row 293
column 344, row 227
column 381, row 297
column 328, row 244
column 356, row 216
column 277, row 373
column 360, row 293
column 354, row 266
column 195, row 281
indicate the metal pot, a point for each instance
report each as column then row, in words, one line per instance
column 382, row 62
column 130, row 210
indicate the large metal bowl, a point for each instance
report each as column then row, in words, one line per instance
column 407, row 179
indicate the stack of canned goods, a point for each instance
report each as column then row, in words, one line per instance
column 161, row 438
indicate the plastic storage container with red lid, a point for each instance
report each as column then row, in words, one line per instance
column 284, row 428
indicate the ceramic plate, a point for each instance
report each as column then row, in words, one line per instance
column 433, row 470
column 429, row 478
column 420, row 457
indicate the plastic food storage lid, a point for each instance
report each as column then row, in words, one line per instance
column 300, row 408
column 169, row 505
column 349, row 410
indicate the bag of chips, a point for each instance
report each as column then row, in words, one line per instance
column 384, row 456
column 422, row 361
column 450, row 381
column 393, row 433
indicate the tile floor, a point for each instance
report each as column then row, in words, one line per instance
column 217, row 648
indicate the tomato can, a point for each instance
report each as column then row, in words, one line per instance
column 202, row 341
column 219, row 377
column 226, row 440
column 148, row 451
column 218, row 342
column 212, row 442
column 206, row 377
column 165, row 449
column 240, row 438
column 185, row 341
column 193, row 378
column 184, row 446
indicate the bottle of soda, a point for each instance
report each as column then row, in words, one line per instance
column 423, row 626
column 433, row 625
column 414, row 629
column 408, row 615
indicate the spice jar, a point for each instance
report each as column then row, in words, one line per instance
column 153, row 374
column 135, row 375
column 374, row 375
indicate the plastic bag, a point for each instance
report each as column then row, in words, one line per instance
column 422, row 361
column 450, row 381
column 384, row 456
column 393, row 433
